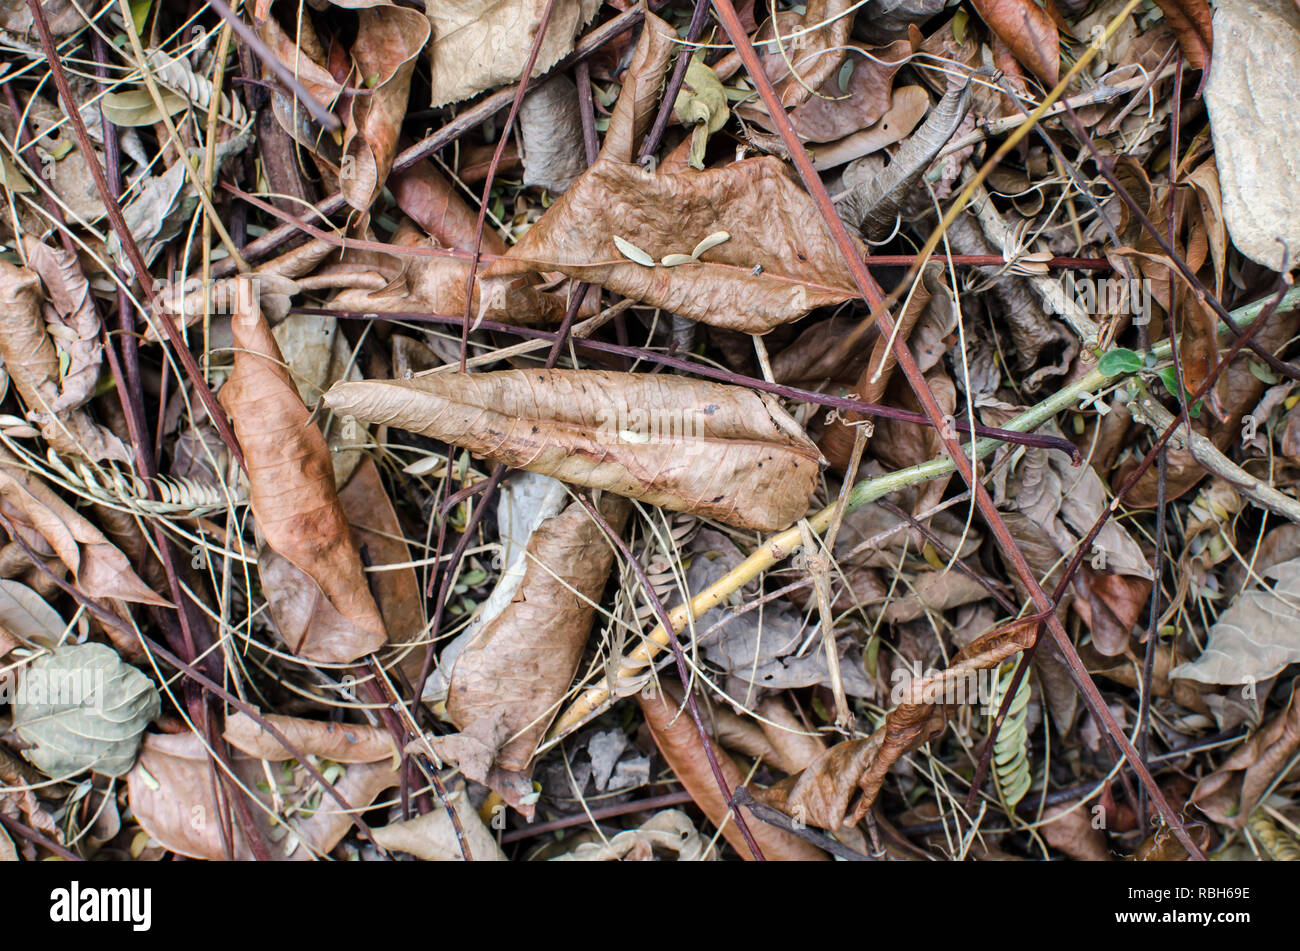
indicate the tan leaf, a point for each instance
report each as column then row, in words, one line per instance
column 432, row 838
column 73, row 309
column 171, row 790
column 33, row 365
column 779, row 264
column 478, row 44
column 340, row 742
column 1029, row 32
column 432, row 202
column 1255, row 125
column 291, row 482
column 638, row 101
column 678, row 740
column 1068, row 828
column 509, row 679
column 50, row 525
column 710, row 449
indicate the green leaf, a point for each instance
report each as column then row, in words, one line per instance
column 82, row 708
column 1119, row 361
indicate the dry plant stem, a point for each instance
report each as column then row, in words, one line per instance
column 281, row 71
column 1153, row 629
column 870, row 292
column 193, row 673
column 124, row 235
column 648, row 590
column 587, row 112
column 1203, row 295
column 818, row 566
column 471, row 118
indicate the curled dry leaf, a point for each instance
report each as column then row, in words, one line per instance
column 340, row 742
column 1030, row 33
column 678, row 740
column 172, row 794
column 32, row 363
column 478, row 44
column 291, row 483
column 52, row 527
column 841, row 109
column 666, row 833
column 83, row 709
column 550, row 125
column 1232, row 792
column 508, row 680
column 73, row 312
column 638, row 101
column 800, row 52
column 713, row 450
column 779, row 264
column 432, row 202
column 821, row 794
column 1191, row 21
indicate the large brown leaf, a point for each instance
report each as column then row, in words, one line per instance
column 291, row 483
column 1232, row 792
column 713, row 450
column 837, row 112
column 678, row 740
column 778, row 264
column 508, row 680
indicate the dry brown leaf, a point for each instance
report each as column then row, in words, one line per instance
column 340, row 742
column 678, row 740
column 836, row 112
column 799, row 52
column 908, row 106
column 1191, row 22
column 509, row 679
column 1068, row 828
column 432, row 838
column 1029, row 32
column 291, row 483
column 172, row 794
column 710, row 449
column 431, row 201
column 378, row 534
column 1232, row 792
column 550, row 126
column 778, row 264
column 52, row 527
column 638, row 101
column 73, row 310
column 33, row 365
column 478, row 44
column 820, row 795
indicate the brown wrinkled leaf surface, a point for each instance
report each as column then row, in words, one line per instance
column 713, row 450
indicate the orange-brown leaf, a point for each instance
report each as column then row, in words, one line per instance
column 713, row 450
column 1029, row 32
column 291, row 483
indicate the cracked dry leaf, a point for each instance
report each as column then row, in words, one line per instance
column 779, row 264
column 508, row 681
column 710, row 449
column 478, row 44
column 294, row 499
column 821, row 794
column 678, row 740
column 33, row 365
column 1255, row 125
column 1256, row 636
column 171, row 790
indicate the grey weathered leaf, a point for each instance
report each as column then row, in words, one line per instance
column 1255, row 124
column 26, row 616
column 1256, row 636
column 82, row 708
